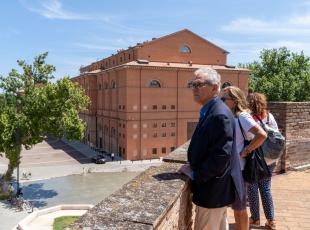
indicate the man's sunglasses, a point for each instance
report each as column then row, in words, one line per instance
column 197, row 85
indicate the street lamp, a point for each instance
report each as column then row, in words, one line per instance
column 20, row 92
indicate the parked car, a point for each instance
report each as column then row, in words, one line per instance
column 99, row 159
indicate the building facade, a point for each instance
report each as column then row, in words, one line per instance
column 141, row 107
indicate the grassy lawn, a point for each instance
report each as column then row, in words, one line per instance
column 64, row 221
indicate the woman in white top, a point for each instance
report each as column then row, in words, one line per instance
column 258, row 105
column 235, row 99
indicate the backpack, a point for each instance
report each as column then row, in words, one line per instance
column 274, row 144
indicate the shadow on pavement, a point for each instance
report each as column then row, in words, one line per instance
column 34, row 193
column 60, row 145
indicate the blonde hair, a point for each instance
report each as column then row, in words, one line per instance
column 257, row 103
column 238, row 97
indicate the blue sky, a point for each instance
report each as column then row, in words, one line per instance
column 78, row 32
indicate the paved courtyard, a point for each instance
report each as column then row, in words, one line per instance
column 75, row 189
column 60, row 175
column 291, row 193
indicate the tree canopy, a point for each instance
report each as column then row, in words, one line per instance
column 281, row 75
column 33, row 107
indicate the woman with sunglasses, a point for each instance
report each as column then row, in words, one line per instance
column 246, row 128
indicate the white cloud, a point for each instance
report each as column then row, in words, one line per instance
column 52, row 9
column 300, row 20
column 243, row 52
column 295, row 25
column 295, row 46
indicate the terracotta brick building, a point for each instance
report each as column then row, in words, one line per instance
column 141, row 106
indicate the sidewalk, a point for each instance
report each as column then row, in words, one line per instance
column 291, row 195
column 55, row 158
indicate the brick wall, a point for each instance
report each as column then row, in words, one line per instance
column 293, row 119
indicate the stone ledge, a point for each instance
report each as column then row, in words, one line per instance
column 140, row 204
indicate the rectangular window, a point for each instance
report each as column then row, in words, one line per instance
column 164, row 107
column 129, row 56
column 123, row 106
column 172, row 149
column 99, row 87
column 123, row 125
column 173, row 134
column 119, row 107
column 154, row 135
column 163, row 150
column 100, row 142
column 154, row 125
column 172, row 124
column 154, row 107
column 154, row 151
column 172, row 106
column 163, row 134
column 163, row 124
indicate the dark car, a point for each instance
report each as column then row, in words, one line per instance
column 99, row 159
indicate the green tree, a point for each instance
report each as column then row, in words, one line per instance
column 33, row 107
column 281, row 75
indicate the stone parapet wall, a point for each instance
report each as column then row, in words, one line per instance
column 293, row 119
column 158, row 198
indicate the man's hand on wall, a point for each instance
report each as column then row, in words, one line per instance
column 185, row 169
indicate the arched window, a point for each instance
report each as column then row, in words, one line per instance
column 154, row 84
column 185, row 49
column 113, row 85
column 226, row 84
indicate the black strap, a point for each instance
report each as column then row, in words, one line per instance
column 261, row 122
column 242, row 131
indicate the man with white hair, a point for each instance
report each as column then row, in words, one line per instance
column 213, row 159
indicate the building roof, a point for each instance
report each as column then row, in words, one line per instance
column 184, row 65
column 168, row 65
column 154, row 40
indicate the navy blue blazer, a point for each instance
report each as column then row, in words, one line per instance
column 213, row 157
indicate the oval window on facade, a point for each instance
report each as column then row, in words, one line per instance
column 154, row 84
column 185, row 49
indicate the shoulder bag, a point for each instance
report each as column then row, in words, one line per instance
column 255, row 168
